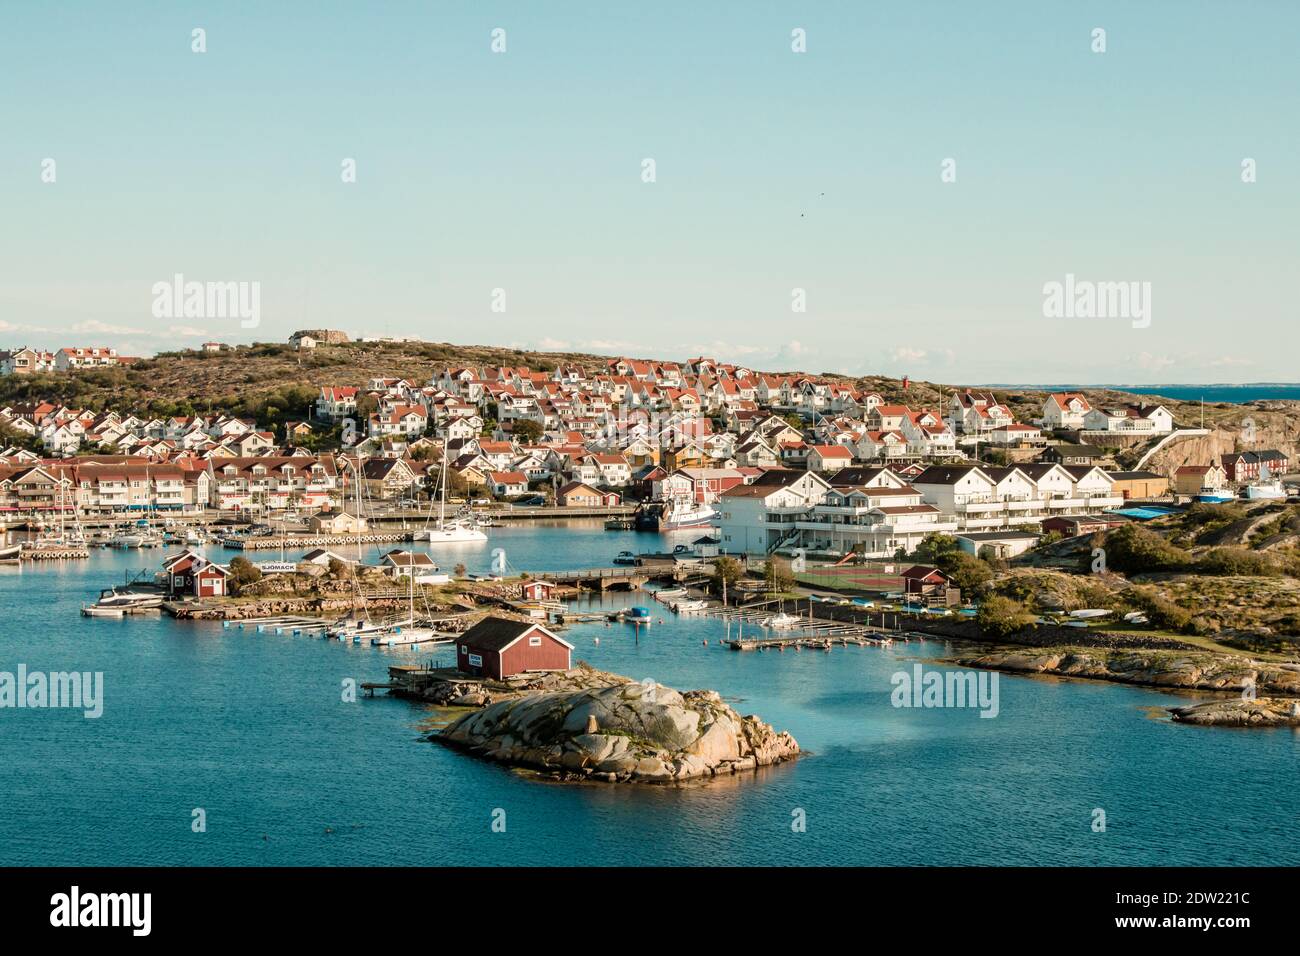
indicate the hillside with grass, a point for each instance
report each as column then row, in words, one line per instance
column 272, row 381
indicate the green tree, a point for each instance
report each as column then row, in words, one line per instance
column 937, row 548
column 726, row 572
column 777, row 576
column 527, row 431
column 243, row 573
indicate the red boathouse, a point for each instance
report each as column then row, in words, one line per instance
column 500, row 647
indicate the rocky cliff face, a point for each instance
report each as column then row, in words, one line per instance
column 1256, row 426
column 638, row 732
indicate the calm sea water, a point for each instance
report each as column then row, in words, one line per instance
column 251, row 728
column 1234, row 394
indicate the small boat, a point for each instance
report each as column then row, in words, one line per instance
column 781, row 622
column 640, row 614
column 126, row 541
column 128, row 600
column 666, row 594
column 1135, row 617
column 11, row 552
column 99, row 610
column 690, row 607
column 625, row 557
column 1089, row 613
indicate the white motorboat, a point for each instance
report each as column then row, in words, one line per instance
column 690, row 607
column 127, row 600
column 667, row 594
column 99, row 610
column 679, row 513
column 781, row 622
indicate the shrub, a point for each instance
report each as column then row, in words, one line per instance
column 1236, row 561
column 1000, row 616
column 1133, row 549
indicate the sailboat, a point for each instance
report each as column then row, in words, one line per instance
column 406, row 633
column 456, row 531
column 61, row 539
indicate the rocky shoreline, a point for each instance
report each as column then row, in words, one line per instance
column 1260, row 712
column 1150, row 668
column 613, row 729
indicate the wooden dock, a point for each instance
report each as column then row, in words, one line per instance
column 242, row 543
column 810, row 632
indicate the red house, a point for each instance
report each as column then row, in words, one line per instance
column 929, row 584
column 501, row 647
column 191, row 573
column 210, row 581
column 538, row 590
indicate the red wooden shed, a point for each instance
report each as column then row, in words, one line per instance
column 501, row 647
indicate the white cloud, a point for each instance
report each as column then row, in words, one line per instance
column 94, row 325
column 19, row 327
column 186, row 331
column 1155, row 363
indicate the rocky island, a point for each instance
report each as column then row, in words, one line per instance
column 1260, row 712
column 622, row 732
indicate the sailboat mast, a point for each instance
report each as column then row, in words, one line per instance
column 442, row 502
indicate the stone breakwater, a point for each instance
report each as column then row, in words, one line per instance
column 1172, row 669
column 1261, row 712
column 627, row 732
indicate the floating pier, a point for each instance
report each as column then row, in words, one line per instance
column 314, row 540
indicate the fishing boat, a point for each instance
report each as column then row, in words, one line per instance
column 638, row 614
column 679, row 513
column 1215, row 496
column 1265, row 490
column 462, row 530
column 11, row 552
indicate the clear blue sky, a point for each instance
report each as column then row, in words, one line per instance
column 775, row 170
